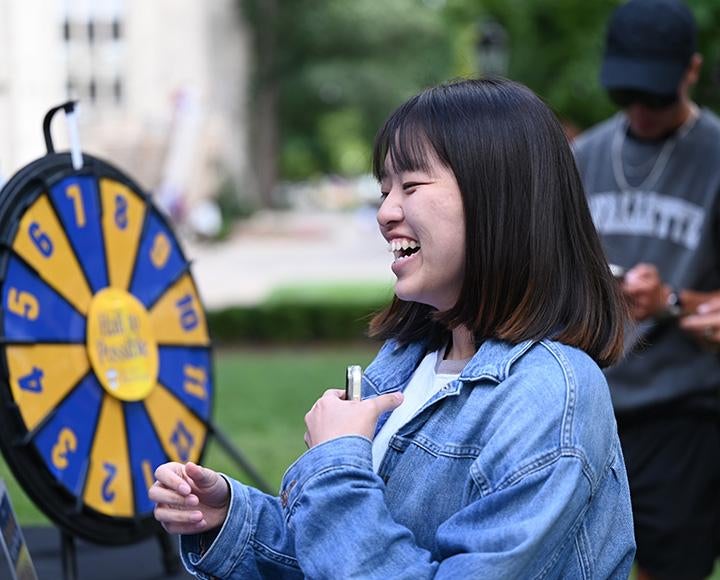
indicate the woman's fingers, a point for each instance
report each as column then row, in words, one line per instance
column 169, row 514
column 158, row 493
column 180, row 522
column 188, row 497
column 172, row 475
column 386, row 402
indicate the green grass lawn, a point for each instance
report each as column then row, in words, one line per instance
column 263, row 396
column 341, row 292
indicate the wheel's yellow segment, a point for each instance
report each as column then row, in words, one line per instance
column 178, row 317
column 42, row 243
column 40, row 376
column 123, row 213
column 109, row 485
column 181, row 433
column 121, row 345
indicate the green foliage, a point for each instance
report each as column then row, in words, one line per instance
column 707, row 13
column 233, row 206
column 232, row 203
column 302, row 313
column 291, row 323
column 341, row 66
column 555, row 47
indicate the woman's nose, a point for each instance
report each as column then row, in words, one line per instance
column 390, row 211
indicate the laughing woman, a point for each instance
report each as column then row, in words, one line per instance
column 485, row 444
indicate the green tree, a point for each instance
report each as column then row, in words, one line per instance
column 555, row 47
column 332, row 70
column 328, row 71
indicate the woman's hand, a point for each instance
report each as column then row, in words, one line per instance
column 190, row 499
column 705, row 322
column 332, row 416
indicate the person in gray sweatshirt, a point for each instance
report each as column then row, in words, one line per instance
column 652, row 176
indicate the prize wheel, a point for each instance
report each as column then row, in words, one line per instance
column 106, row 368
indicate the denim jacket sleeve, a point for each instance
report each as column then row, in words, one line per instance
column 252, row 543
column 344, row 529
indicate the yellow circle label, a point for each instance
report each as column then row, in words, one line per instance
column 121, row 345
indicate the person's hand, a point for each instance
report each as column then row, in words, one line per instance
column 332, row 416
column 190, row 499
column 646, row 294
column 704, row 324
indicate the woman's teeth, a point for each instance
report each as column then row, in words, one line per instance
column 403, row 248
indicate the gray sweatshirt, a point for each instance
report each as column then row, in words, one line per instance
column 658, row 203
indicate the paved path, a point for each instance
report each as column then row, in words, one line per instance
column 275, row 249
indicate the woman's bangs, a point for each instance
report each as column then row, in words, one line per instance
column 403, row 143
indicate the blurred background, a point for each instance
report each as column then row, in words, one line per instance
column 226, row 108
column 250, row 123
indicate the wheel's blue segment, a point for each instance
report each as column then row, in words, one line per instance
column 65, row 441
column 187, row 373
column 146, row 454
column 76, row 201
column 34, row 311
column 159, row 261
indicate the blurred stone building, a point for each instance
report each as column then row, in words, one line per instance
column 162, row 87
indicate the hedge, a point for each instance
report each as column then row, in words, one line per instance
column 291, row 322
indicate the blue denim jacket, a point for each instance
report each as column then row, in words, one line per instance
column 513, row 470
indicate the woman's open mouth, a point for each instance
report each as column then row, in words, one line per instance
column 403, row 248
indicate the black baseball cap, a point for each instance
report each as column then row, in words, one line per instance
column 648, row 46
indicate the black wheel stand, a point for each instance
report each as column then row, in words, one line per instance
column 68, row 555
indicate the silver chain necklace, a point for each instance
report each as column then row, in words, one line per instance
column 663, row 157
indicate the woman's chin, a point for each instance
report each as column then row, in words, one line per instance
column 407, row 295
column 404, row 291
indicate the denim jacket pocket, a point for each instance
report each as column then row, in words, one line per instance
column 410, row 460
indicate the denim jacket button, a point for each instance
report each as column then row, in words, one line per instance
column 285, row 495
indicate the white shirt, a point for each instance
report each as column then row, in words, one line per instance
column 431, row 375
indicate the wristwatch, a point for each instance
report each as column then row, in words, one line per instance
column 673, row 306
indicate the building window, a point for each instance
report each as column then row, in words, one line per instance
column 93, row 34
column 118, row 91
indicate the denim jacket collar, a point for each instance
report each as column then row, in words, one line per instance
column 492, row 360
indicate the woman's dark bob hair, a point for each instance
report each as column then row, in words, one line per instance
column 534, row 266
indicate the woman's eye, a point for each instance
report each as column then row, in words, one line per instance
column 410, row 186
column 384, row 194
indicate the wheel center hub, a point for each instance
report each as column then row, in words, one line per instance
column 121, row 345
